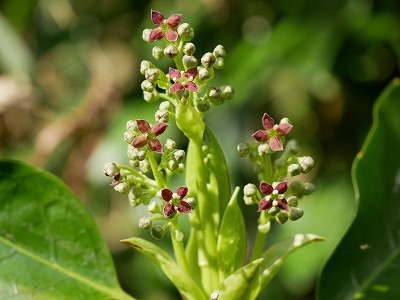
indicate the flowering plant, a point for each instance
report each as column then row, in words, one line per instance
column 212, row 262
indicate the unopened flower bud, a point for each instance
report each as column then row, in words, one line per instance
column 129, row 136
column 185, row 31
column 297, row 188
column 151, row 97
column 135, row 192
column 203, row 73
column 111, row 170
column 157, row 232
column 165, row 105
column 207, row 60
column 157, row 52
column 306, row 163
column 145, row 166
column 147, row 86
column 308, row 188
column 121, row 187
column 292, row 201
column 264, row 149
column 214, row 96
column 250, row 190
column 171, row 51
column 292, row 146
column 293, row 170
column 152, row 74
column 144, row 65
column 219, row 51
column 179, row 155
column 248, row 200
column 295, row 213
column 203, row 105
column 131, row 125
column 264, row 228
column 273, row 210
column 214, row 296
column 154, row 208
column 172, row 165
column 243, row 149
column 189, row 48
column 219, row 63
column 170, row 145
column 282, row 217
column 134, row 163
column 161, row 116
column 189, row 61
column 227, row 92
column 146, row 35
column 192, row 202
column 145, row 223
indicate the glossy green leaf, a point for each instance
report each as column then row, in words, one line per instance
column 235, row 286
column 50, row 247
column 367, row 260
column 190, row 122
column 231, row 245
column 274, row 257
column 185, row 284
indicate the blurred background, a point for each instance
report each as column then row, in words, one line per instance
column 69, row 81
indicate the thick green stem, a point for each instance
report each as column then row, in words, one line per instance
column 177, row 244
column 158, row 176
column 261, row 237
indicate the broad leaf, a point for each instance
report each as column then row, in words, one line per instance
column 273, row 259
column 186, row 286
column 367, row 259
column 50, row 247
column 231, row 245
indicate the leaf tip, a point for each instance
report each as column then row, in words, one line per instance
column 130, row 244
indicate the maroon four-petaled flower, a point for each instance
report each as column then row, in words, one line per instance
column 166, row 27
column 272, row 132
column 149, row 135
column 175, row 201
column 184, row 82
column 274, row 196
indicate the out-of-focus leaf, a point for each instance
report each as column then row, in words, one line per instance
column 367, row 260
column 231, row 245
column 273, row 259
column 186, row 286
column 235, row 286
column 50, row 247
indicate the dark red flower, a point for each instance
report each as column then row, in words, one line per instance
column 274, row 195
column 175, row 201
column 272, row 132
column 149, row 135
column 184, row 82
column 166, row 27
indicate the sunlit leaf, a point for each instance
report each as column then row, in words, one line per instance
column 367, row 260
column 50, row 247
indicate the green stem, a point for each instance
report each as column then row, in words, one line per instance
column 266, row 175
column 158, row 176
column 261, row 238
column 179, row 249
column 170, row 99
column 143, row 178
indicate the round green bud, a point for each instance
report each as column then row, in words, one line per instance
column 214, row 296
column 111, row 169
column 129, row 136
column 144, row 65
column 292, row 146
column 189, row 61
column 281, row 217
column 207, row 60
column 180, row 169
column 248, row 200
column 179, row 155
column 296, row 188
column 243, row 149
column 171, row 51
column 295, row 213
column 203, row 73
column 157, row 232
column 135, row 192
column 172, row 165
column 152, row 74
column 179, row 235
column 306, row 163
column 157, row 52
column 131, row 125
column 147, row 86
column 219, row 63
column 264, row 149
column 203, row 105
column 121, row 187
column 227, row 92
column 146, row 35
column 308, row 188
column 134, row 163
column 145, row 223
column 293, row 170
column 165, row 105
column 185, row 31
column 273, row 211
column 162, row 116
column 154, row 208
column 214, row 96
column 219, row 51
column 170, row 145
column 292, row 201
column 151, row 97
column 145, row 166
column 250, row 190
column 189, row 49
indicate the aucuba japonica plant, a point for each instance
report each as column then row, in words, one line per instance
column 212, row 262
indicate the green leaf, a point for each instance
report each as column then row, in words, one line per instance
column 231, row 245
column 236, row 285
column 367, row 259
column 190, row 122
column 273, row 259
column 186, row 286
column 50, row 247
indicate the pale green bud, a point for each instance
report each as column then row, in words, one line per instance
column 214, row 96
column 219, row 51
column 131, row 125
column 147, row 86
column 170, row 145
column 162, row 116
column 273, row 210
column 292, row 201
column 157, row 52
column 129, row 136
column 152, row 74
column 293, row 170
column 185, row 31
column 165, row 105
column 121, row 187
column 146, row 35
column 189, row 48
column 219, row 63
column 250, row 190
column 207, row 60
column 154, row 208
column 306, row 163
column 282, row 217
column 171, row 51
column 243, row 149
column 145, row 223
column 144, row 65
column 111, row 169
column 227, row 92
column 203, row 105
column 172, row 165
column 248, row 200
column 295, row 213
column 308, row 188
column 264, row 228
column 203, row 73
column 189, row 61
column 157, row 232
column 179, row 155
column 144, row 166
column 264, row 149
column 151, row 97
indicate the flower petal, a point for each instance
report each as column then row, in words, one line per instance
column 267, row 121
column 174, row 20
column 176, row 87
column 140, row 141
column 182, row 191
column 261, row 136
column 156, row 34
column 159, row 128
column 166, row 194
column 284, row 128
column 174, row 74
column 157, row 18
column 184, row 207
column 143, row 126
column 266, row 188
column 281, row 187
column 191, row 73
column 168, row 210
column 156, row 146
column 276, row 144
column 282, row 204
column 191, row 86
column 171, row 35
column 264, row 204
